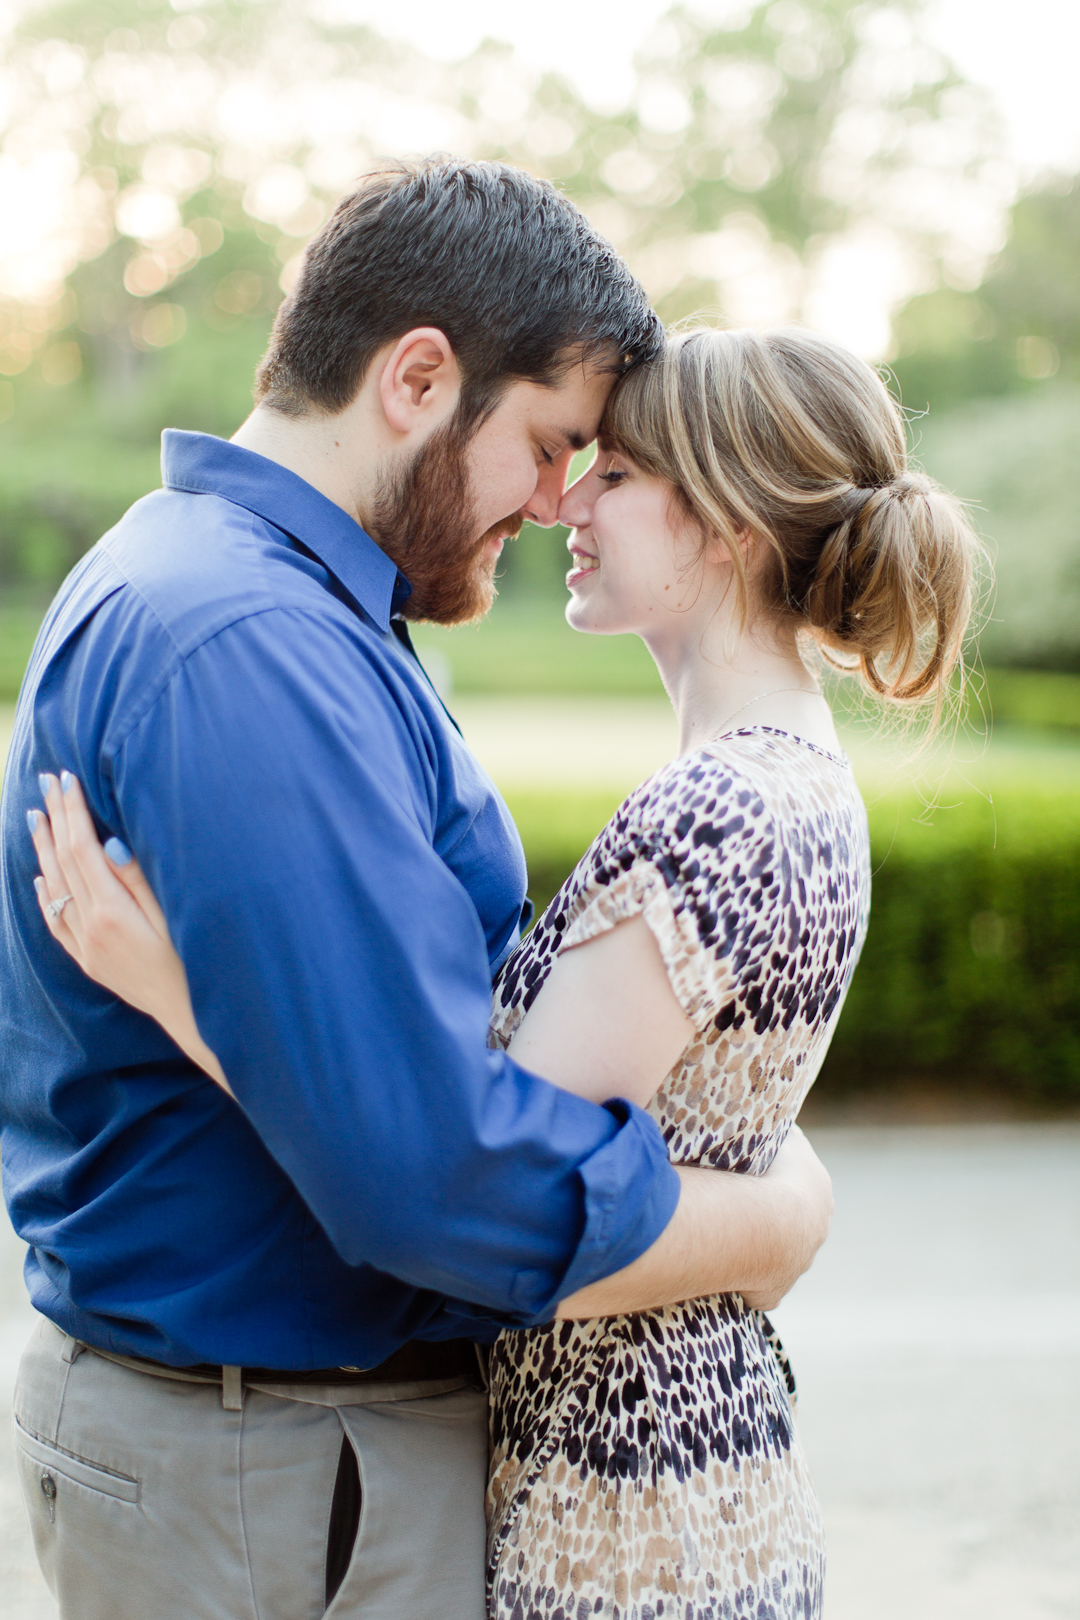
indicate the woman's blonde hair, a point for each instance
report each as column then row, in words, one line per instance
column 788, row 435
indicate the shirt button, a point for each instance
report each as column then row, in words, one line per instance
column 48, row 1487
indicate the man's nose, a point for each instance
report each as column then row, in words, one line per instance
column 543, row 507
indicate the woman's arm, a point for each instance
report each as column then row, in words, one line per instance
column 606, row 1023
column 111, row 922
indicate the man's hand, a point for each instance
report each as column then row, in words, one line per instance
column 799, row 1175
column 730, row 1234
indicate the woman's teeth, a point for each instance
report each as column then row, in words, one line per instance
column 583, row 563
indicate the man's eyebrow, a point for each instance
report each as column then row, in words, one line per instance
column 575, row 440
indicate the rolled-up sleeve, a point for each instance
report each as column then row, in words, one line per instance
column 339, row 970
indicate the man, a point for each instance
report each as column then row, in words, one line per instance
column 255, row 1391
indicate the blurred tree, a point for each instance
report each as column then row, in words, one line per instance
column 1016, row 330
column 159, row 132
column 992, row 379
column 191, row 150
column 751, row 151
column 1020, row 455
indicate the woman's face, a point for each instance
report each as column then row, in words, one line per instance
column 638, row 564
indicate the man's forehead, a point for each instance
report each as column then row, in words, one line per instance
column 573, row 408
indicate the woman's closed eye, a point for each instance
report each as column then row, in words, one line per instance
column 614, row 476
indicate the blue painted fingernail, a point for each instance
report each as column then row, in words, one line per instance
column 117, row 852
column 32, row 821
column 43, row 784
column 67, row 781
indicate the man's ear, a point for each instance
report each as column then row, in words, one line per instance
column 420, row 382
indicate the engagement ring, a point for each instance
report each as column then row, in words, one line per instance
column 55, row 907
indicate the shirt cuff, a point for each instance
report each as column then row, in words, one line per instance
column 631, row 1190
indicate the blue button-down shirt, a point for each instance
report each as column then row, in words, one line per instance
column 340, row 878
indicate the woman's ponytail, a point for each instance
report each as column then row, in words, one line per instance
column 892, row 590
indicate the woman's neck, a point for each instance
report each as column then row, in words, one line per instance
column 718, row 673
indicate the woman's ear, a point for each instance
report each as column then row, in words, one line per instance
column 754, row 552
column 420, row 382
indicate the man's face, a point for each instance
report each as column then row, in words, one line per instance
column 445, row 519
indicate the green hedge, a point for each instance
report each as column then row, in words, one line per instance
column 1024, row 697
column 18, row 629
column 971, row 969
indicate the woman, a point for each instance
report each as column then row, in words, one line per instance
column 750, row 502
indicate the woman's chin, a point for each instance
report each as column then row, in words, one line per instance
column 585, row 618
column 579, row 618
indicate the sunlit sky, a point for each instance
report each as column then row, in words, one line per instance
column 1026, row 51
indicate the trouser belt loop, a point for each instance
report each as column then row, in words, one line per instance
column 73, row 1349
column 232, row 1389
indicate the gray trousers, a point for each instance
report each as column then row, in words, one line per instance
column 148, row 1500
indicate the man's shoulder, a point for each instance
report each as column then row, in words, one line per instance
column 183, row 568
column 195, row 576
column 199, row 562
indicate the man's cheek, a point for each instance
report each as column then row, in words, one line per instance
column 507, row 490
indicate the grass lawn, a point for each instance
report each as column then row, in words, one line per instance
column 527, row 647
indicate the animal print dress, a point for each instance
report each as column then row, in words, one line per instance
column 646, row 1467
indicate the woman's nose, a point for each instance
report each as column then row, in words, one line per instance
column 576, row 506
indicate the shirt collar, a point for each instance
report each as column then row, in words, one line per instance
column 204, row 465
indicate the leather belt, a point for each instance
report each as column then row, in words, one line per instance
column 412, row 1363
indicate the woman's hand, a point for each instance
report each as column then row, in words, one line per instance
column 98, row 905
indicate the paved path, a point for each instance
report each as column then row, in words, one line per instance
column 937, row 1343
column 23, row 1594
column 614, row 743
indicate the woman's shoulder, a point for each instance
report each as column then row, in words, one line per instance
column 749, row 782
column 770, row 758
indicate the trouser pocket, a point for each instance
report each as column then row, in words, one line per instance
column 64, row 1465
column 70, row 1496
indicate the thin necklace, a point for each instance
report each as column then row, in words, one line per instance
column 778, row 691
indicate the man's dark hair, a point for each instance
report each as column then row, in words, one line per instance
column 503, row 263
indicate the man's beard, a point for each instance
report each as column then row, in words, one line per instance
column 424, row 520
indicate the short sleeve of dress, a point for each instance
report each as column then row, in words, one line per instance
column 698, row 871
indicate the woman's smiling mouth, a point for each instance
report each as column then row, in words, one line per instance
column 584, row 564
